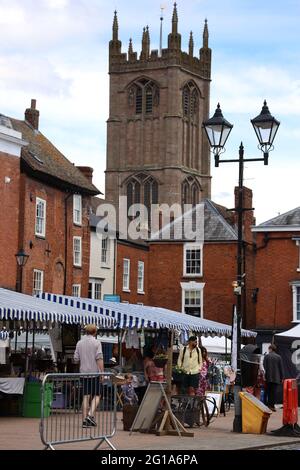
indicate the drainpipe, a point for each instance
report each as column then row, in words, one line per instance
column 115, row 266
column 66, row 242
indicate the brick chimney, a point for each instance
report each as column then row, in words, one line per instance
column 248, row 216
column 87, row 171
column 32, row 115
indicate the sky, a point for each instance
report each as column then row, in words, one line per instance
column 56, row 51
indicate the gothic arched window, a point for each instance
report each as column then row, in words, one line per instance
column 138, row 100
column 144, row 95
column 133, row 192
column 142, row 189
column 191, row 191
column 190, row 100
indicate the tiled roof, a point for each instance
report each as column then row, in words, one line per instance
column 45, row 159
column 218, row 224
column 291, row 218
column 95, row 203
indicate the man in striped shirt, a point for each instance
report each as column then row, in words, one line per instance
column 89, row 353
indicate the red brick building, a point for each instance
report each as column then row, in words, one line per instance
column 45, row 211
column 277, row 274
column 132, row 272
column 190, row 276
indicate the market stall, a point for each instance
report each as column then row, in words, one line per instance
column 22, row 313
column 145, row 328
column 288, row 342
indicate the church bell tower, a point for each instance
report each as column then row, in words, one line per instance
column 156, row 148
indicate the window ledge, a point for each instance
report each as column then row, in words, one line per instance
column 78, row 266
column 40, row 237
column 298, row 270
column 140, row 292
column 192, row 275
column 127, row 290
column 77, row 224
column 105, row 266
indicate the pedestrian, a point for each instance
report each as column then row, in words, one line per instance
column 89, row 353
column 203, row 380
column 190, row 360
column 130, row 397
column 273, row 375
column 151, row 372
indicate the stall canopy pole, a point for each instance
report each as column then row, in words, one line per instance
column 120, row 334
column 33, row 337
column 170, row 362
column 16, row 338
column 26, row 350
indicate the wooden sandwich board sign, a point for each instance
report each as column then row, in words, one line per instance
column 147, row 417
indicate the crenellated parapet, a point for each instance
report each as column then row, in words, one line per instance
column 172, row 55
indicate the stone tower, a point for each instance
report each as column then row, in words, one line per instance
column 156, row 149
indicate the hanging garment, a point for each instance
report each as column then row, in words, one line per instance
column 132, row 339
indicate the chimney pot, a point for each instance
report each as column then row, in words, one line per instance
column 32, row 115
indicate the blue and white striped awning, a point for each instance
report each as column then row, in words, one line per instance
column 137, row 316
column 4, row 335
column 21, row 307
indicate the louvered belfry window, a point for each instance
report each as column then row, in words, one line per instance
column 144, row 95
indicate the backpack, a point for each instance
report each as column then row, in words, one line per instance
column 184, row 351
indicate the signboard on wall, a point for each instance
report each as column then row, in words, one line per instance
column 111, row 298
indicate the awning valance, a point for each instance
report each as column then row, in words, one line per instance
column 21, row 307
column 138, row 316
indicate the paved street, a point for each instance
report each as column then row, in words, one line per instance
column 23, row 434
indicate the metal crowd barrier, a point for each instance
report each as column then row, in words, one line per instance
column 62, row 420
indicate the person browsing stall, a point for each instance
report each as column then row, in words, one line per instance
column 273, row 374
column 89, row 353
column 190, row 360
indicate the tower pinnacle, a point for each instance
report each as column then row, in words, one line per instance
column 191, row 45
column 205, row 35
column 175, row 20
column 115, row 27
column 174, row 39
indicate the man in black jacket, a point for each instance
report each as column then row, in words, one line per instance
column 273, row 374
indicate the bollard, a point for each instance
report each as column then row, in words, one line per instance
column 290, row 410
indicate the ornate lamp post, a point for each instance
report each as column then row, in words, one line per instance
column 217, row 130
column 22, row 259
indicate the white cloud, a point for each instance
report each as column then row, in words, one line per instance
column 12, row 15
column 56, row 4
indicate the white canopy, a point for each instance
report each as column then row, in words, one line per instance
column 137, row 316
column 216, row 344
column 292, row 333
column 15, row 306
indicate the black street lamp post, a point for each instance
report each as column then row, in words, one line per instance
column 217, row 130
column 22, row 259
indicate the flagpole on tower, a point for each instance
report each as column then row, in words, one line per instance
column 161, row 29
